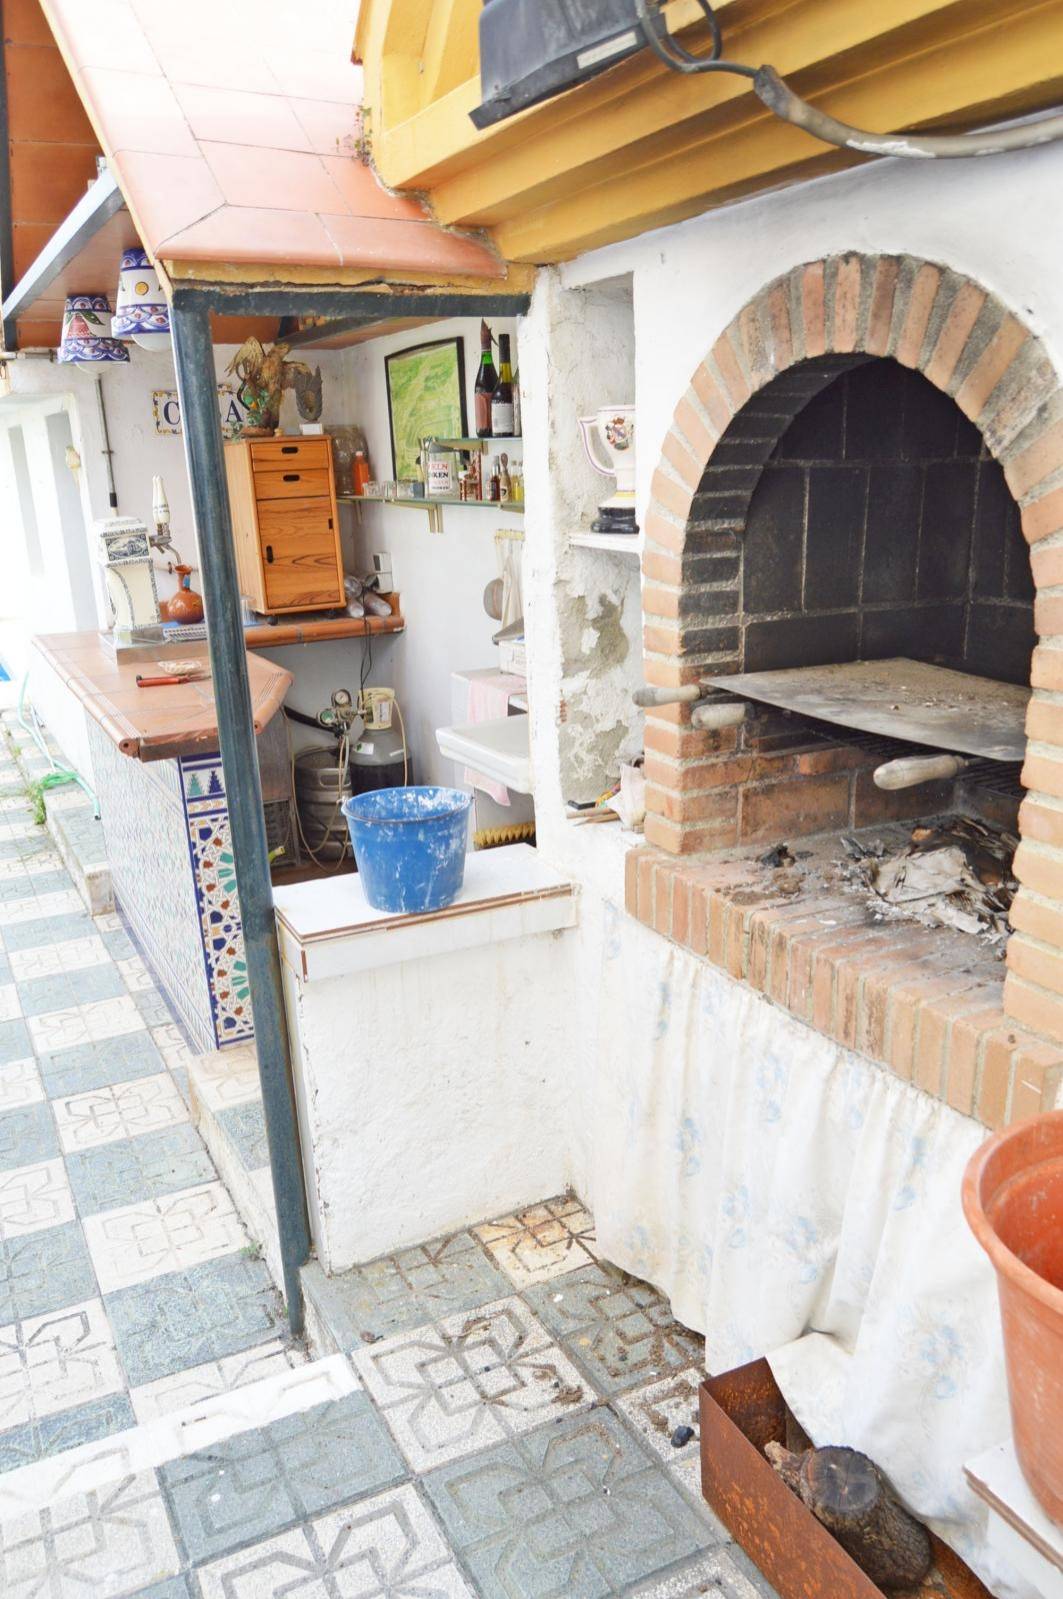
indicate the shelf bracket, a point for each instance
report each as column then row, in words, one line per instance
column 435, row 517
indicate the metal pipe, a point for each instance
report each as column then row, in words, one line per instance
column 106, row 452
column 197, row 387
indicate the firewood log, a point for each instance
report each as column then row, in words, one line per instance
column 850, row 1496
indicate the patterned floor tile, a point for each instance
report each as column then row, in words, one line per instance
column 616, row 1328
column 39, row 995
column 264, row 1481
column 14, row 1041
column 657, row 1409
column 715, row 1576
column 173, row 1588
column 34, row 1197
column 118, row 943
column 245, row 1126
column 27, row 1135
column 84, row 1024
column 576, row 1510
column 45, row 930
column 151, row 1003
column 44, row 1271
column 134, row 973
column 475, row 1379
column 195, row 1316
column 143, row 1105
column 20, row 1084
column 112, row 1541
column 39, row 907
column 541, row 1242
column 228, row 1078
column 386, row 1547
column 198, row 1383
column 170, row 1042
column 88, row 1066
column 415, row 1286
column 10, row 1002
column 136, row 1169
column 52, row 1435
column 54, row 1362
column 158, row 1236
column 71, row 956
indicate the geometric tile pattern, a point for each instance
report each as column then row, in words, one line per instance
column 541, row 1242
column 421, row 1284
column 578, row 1508
column 217, row 898
column 619, row 1330
column 385, row 1547
column 258, row 1483
column 136, row 1242
column 160, row 1435
column 470, row 1381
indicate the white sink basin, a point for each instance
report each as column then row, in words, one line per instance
column 497, row 749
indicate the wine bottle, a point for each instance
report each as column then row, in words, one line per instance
column 486, row 383
column 502, row 398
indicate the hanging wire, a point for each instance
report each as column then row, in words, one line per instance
column 775, row 93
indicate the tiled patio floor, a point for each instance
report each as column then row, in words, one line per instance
column 503, row 1427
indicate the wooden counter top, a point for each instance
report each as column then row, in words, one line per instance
column 152, row 724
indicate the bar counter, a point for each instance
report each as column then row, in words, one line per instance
column 158, row 777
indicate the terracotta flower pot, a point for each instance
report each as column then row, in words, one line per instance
column 1013, row 1201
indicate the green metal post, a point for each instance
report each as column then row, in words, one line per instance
column 197, row 386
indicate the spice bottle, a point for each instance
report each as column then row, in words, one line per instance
column 493, row 487
column 504, row 485
column 359, row 472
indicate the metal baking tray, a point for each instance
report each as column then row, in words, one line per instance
column 900, row 699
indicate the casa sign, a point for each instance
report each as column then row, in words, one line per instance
column 166, row 406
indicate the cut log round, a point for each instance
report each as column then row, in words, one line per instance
column 854, row 1501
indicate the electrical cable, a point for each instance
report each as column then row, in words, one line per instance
column 775, row 93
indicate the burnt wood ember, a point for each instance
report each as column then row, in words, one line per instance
column 845, row 1490
column 956, row 872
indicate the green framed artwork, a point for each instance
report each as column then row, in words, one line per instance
column 426, row 398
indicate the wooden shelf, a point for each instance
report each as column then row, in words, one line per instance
column 428, row 502
column 315, row 629
column 615, row 543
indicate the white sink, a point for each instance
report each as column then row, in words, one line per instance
column 497, row 749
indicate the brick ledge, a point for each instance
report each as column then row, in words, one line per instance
column 896, row 992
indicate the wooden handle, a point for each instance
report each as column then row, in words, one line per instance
column 666, row 696
column 717, row 714
column 910, row 770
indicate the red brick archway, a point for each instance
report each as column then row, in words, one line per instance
column 971, row 346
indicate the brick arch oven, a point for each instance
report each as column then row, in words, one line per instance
column 867, row 465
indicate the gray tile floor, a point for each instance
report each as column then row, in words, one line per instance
column 502, row 1426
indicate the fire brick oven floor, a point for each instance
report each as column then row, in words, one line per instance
column 924, row 1001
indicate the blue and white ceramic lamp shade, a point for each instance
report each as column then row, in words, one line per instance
column 141, row 314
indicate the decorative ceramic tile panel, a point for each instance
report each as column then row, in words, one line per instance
column 542, row 1241
column 218, row 902
column 147, row 844
column 471, row 1381
column 386, row 1547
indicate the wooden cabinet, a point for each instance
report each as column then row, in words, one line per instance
column 285, row 524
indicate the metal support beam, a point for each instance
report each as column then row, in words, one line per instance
column 351, row 308
column 98, row 205
column 197, row 386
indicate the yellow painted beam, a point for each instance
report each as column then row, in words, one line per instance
column 667, row 106
column 451, row 42
column 966, row 79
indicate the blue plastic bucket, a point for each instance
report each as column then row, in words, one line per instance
column 410, row 845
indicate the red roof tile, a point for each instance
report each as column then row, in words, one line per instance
column 234, row 130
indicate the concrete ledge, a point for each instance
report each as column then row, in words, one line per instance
column 227, row 1114
column 78, row 836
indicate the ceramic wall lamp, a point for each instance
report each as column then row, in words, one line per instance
column 140, row 309
column 85, row 340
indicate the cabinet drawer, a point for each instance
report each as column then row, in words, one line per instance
column 270, row 454
column 291, row 483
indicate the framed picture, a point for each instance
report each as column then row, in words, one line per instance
column 426, row 398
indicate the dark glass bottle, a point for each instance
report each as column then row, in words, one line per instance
column 486, row 383
column 502, row 399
